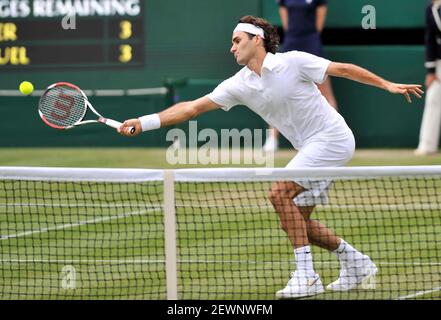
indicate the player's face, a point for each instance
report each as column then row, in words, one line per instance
column 243, row 47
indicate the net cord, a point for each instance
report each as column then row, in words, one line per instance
column 275, row 174
column 80, row 174
column 213, row 174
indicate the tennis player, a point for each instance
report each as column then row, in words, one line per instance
column 280, row 87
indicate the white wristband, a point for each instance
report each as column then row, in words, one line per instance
column 150, row 122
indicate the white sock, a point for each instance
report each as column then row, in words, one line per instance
column 304, row 260
column 348, row 254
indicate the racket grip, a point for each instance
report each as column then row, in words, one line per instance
column 115, row 124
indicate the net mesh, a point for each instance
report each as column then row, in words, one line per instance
column 81, row 240
column 105, row 239
column 62, row 106
column 232, row 246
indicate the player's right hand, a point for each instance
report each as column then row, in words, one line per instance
column 125, row 131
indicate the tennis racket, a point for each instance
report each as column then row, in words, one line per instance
column 63, row 106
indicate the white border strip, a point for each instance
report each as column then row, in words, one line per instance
column 109, row 93
column 147, row 91
column 80, row 174
column 17, row 93
column 97, row 92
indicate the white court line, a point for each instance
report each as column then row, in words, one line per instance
column 418, row 294
column 146, row 261
column 76, row 205
column 79, row 261
column 72, row 225
column 384, row 207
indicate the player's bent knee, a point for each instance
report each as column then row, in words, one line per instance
column 280, row 191
column 278, row 197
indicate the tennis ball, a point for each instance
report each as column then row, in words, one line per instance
column 26, row 87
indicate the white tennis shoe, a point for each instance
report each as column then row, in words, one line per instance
column 351, row 275
column 301, row 285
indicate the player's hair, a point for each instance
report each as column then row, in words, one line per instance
column 272, row 38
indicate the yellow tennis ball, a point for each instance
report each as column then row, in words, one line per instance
column 26, row 87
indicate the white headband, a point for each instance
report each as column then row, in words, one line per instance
column 250, row 28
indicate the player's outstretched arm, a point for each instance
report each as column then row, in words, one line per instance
column 177, row 113
column 356, row 73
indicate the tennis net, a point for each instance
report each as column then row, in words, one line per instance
column 210, row 233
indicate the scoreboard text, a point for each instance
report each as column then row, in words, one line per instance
column 98, row 34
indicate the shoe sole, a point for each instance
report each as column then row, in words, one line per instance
column 295, row 296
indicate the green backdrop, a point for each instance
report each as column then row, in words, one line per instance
column 191, row 39
column 348, row 13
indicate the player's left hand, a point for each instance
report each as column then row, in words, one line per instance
column 407, row 90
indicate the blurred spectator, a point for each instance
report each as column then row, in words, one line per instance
column 430, row 124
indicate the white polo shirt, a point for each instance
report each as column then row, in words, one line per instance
column 286, row 97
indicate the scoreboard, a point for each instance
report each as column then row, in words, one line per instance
column 71, row 34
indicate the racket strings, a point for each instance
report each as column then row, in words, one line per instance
column 62, row 106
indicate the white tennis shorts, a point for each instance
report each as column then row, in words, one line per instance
column 321, row 153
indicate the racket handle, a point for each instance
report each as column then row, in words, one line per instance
column 115, row 124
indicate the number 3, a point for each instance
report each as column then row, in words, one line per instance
column 126, row 29
column 125, row 53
